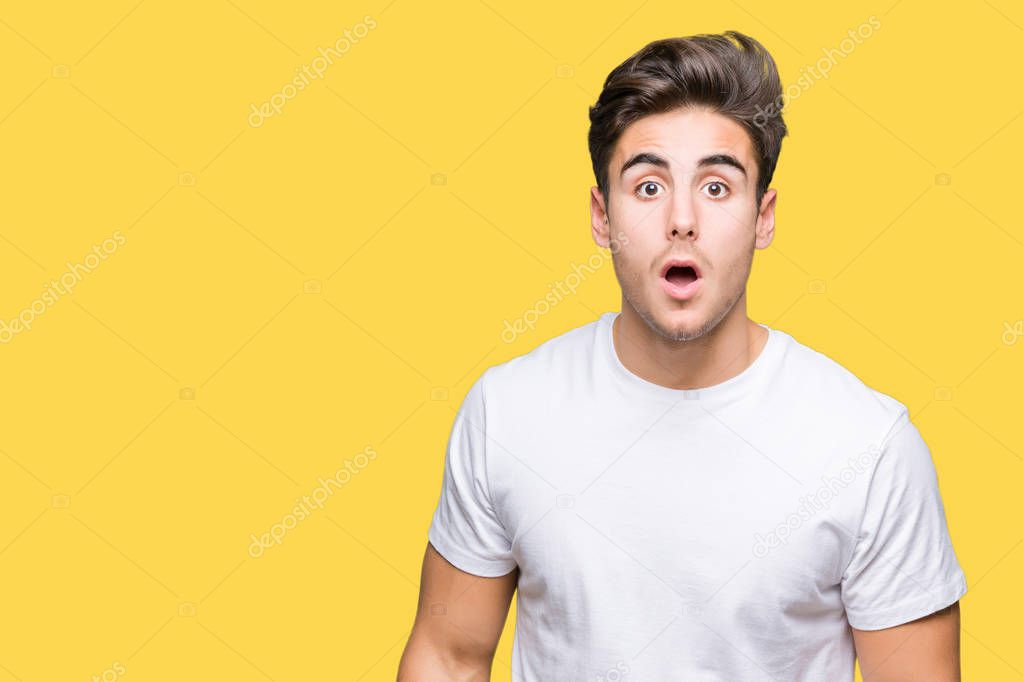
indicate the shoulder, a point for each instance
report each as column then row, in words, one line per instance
column 825, row 388
column 551, row 363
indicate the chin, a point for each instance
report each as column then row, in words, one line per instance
column 678, row 324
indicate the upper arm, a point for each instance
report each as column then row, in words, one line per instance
column 458, row 624
column 469, row 570
column 922, row 649
column 902, row 585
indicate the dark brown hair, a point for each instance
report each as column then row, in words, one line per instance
column 729, row 73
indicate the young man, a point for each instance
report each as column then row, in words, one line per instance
column 676, row 491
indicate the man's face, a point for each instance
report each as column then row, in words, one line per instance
column 676, row 193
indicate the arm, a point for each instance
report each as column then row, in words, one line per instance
column 902, row 587
column 458, row 623
column 923, row 649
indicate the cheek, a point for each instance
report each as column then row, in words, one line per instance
column 629, row 268
column 737, row 262
column 728, row 238
column 729, row 219
column 639, row 215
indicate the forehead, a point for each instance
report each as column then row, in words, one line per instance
column 685, row 135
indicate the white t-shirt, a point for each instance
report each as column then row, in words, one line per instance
column 732, row 532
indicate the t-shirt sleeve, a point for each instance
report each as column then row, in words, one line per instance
column 903, row 566
column 465, row 530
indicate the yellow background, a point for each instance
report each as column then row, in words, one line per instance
column 290, row 294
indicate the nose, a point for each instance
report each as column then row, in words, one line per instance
column 682, row 220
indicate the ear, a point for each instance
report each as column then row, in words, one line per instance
column 765, row 219
column 599, row 221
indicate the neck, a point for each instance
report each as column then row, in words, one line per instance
column 716, row 356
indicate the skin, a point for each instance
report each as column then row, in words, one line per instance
column 708, row 213
column 923, row 649
column 458, row 623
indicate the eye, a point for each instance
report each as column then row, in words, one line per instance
column 643, row 188
column 718, row 189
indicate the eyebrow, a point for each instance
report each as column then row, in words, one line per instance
column 661, row 162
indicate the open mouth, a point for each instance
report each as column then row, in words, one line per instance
column 681, row 279
column 681, row 275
